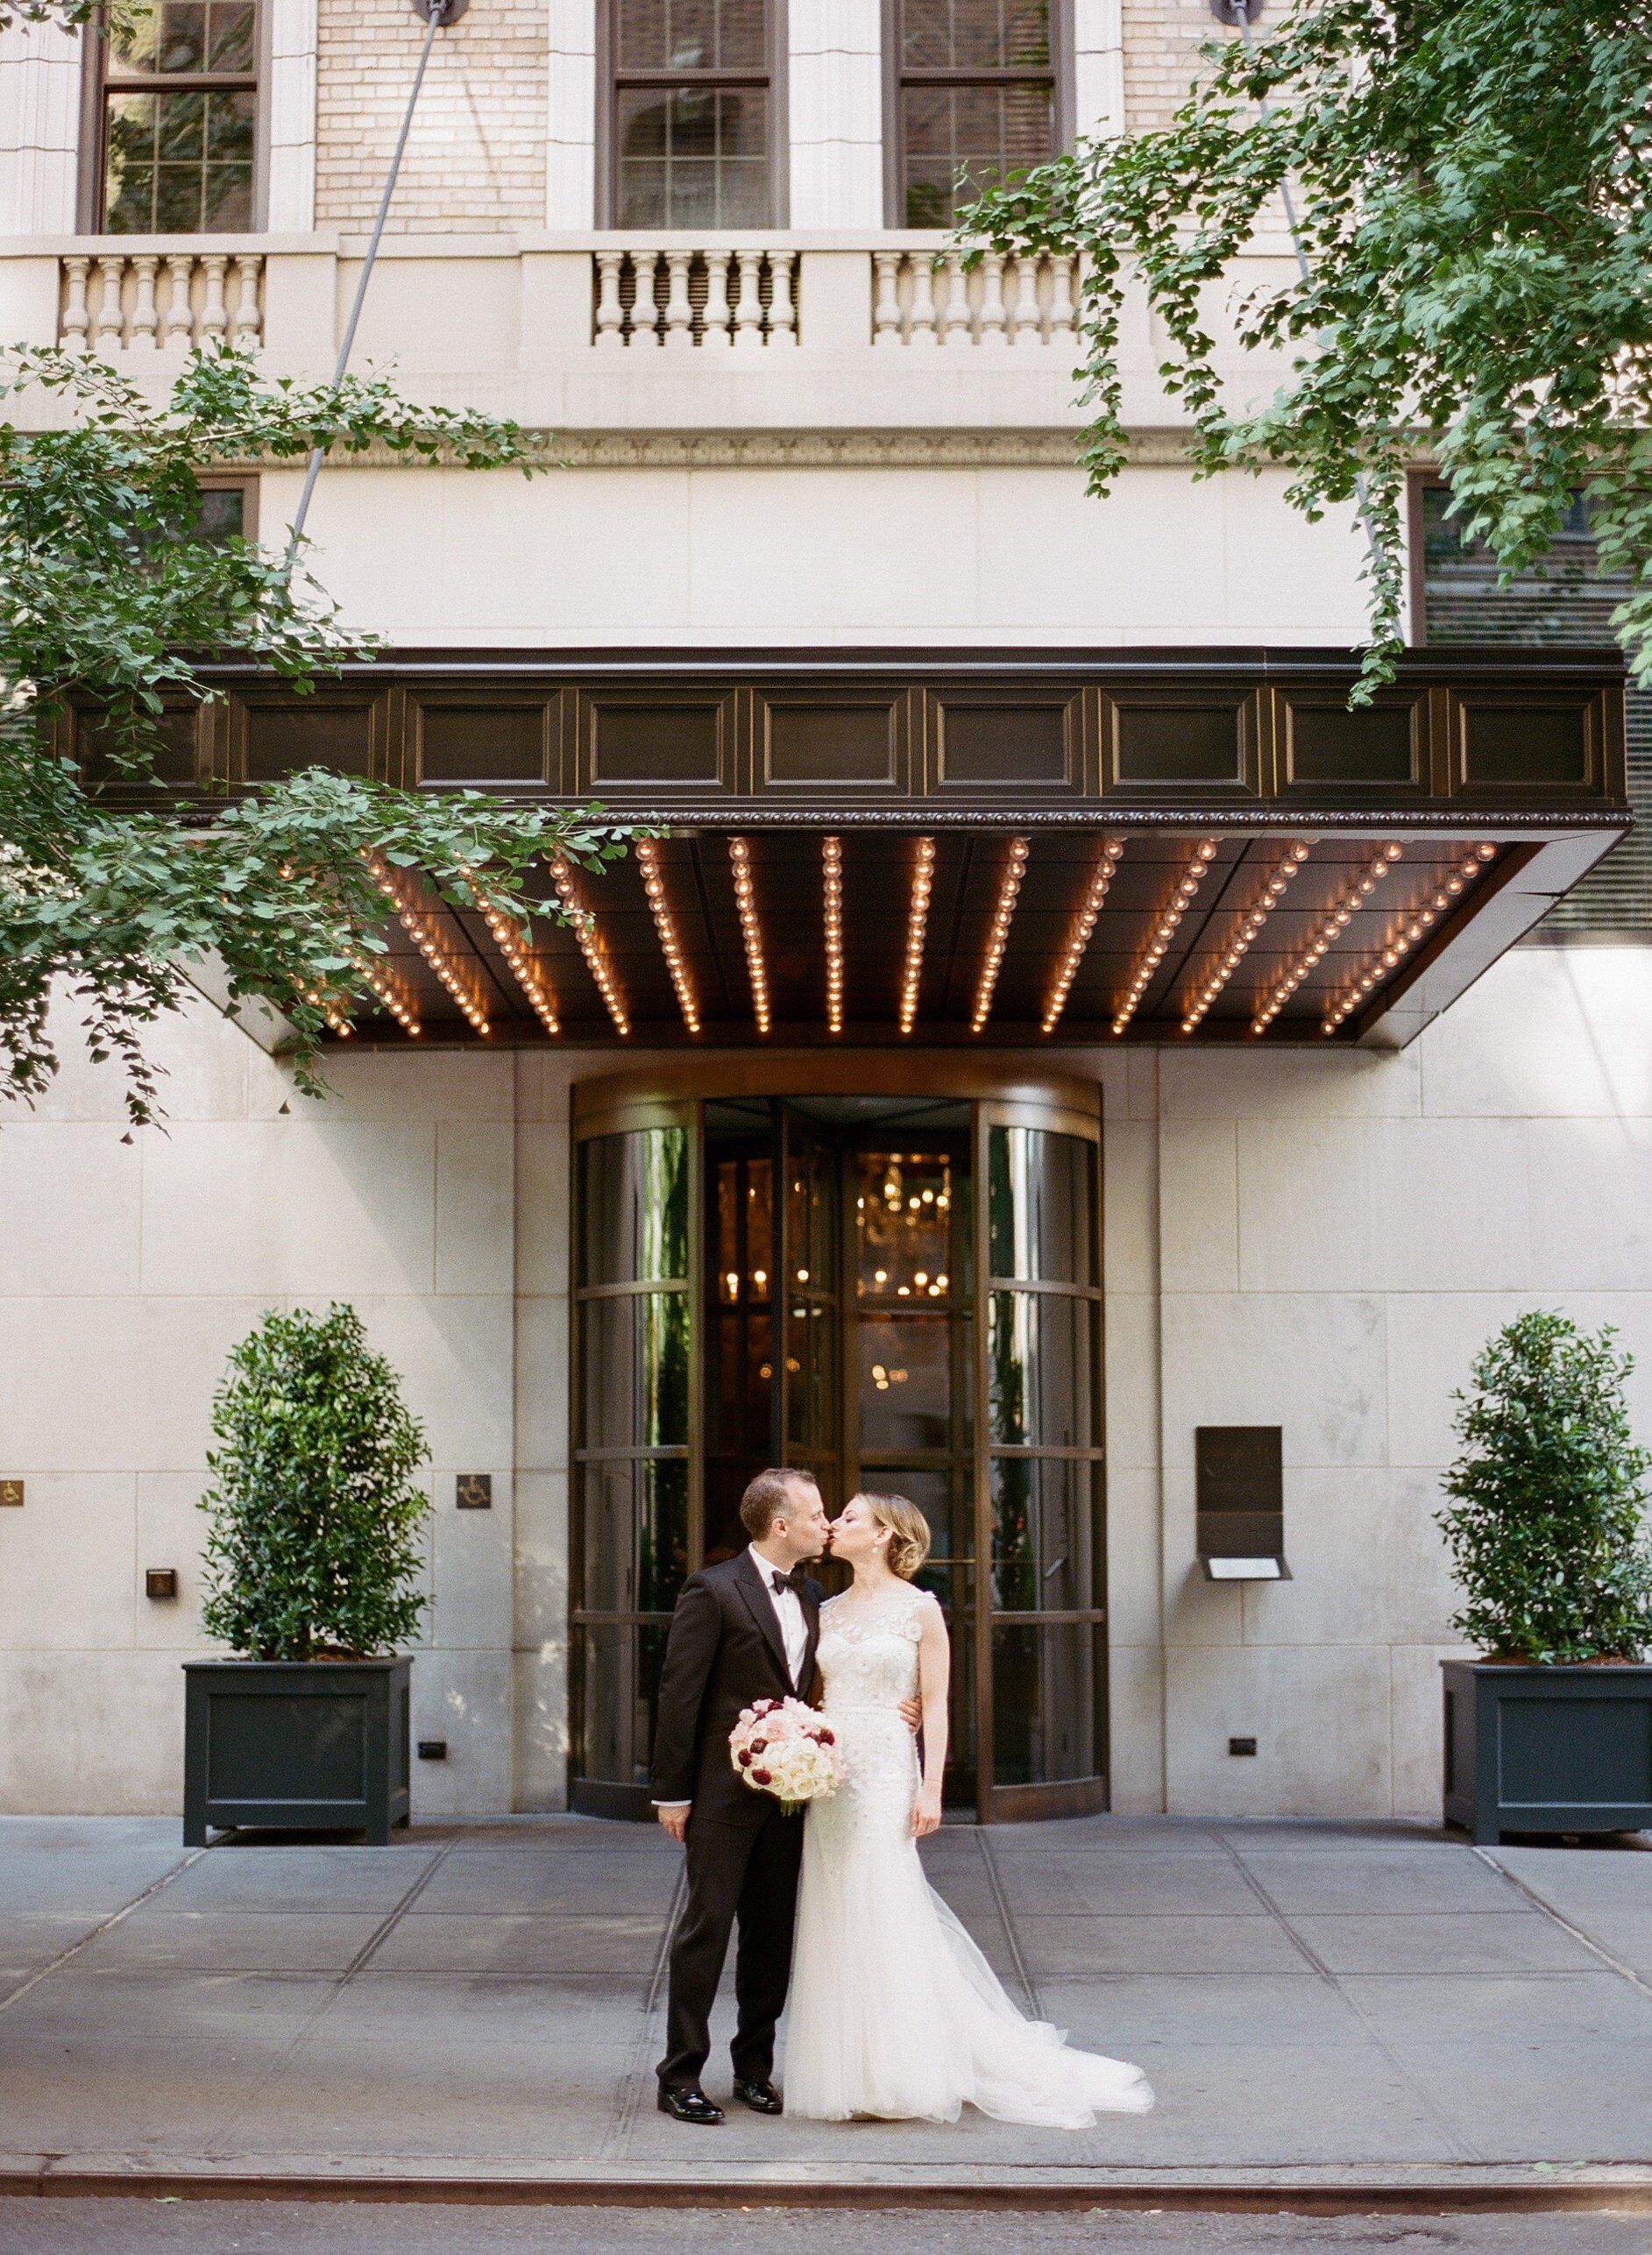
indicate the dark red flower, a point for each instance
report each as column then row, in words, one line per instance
column 762, row 1777
column 745, row 1758
column 758, row 1744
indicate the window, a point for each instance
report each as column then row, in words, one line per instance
column 974, row 94
column 693, row 113
column 176, row 123
column 1459, row 595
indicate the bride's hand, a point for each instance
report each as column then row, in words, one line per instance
column 926, row 1815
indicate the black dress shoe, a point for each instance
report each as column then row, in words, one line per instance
column 689, row 2105
column 762, row 2097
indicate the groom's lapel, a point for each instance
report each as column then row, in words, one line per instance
column 762, row 1611
column 812, row 1617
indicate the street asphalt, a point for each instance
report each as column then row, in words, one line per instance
column 131, row 2227
column 1317, row 2006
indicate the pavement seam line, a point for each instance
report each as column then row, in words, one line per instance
column 617, row 2136
column 1464, row 2147
column 340, row 1982
column 104, row 1927
column 1012, row 1939
column 1597, row 1949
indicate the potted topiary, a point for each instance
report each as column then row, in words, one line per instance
column 1551, row 1732
column 309, row 1569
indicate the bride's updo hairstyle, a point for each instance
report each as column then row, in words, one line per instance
column 908, row 1532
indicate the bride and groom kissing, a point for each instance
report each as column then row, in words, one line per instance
column 895, row 2014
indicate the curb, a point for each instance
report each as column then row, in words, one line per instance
column 1388, row 2195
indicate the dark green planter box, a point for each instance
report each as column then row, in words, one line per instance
column 300, row 1745
column 1547, row 1749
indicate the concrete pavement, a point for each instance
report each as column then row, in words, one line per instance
column 1317, row 2004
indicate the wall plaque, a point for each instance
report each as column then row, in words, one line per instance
column 474, row 1490
column 10, row 1491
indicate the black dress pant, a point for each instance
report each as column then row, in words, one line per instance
column 736, row 1872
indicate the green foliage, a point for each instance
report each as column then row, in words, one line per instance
column 316, row 1512
column 1546, row 1534
column 1472, row 182
column 109, row 596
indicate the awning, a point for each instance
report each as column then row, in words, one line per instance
column 950, row 847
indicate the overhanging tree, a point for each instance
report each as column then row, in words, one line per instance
column 110, row 597
column 1471, row 181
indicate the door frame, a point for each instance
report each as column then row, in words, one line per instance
column 673, row 1092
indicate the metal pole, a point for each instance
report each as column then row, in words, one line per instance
column 436, row 13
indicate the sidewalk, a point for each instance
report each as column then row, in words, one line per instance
column 1316, row 2004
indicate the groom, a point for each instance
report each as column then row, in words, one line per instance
column 743, row 1631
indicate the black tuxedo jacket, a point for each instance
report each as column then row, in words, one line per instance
column 724, row 1650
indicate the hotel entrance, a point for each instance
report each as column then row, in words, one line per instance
column 899, row 1292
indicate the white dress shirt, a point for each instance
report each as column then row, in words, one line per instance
column 794, row 1630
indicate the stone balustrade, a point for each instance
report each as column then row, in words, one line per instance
column 922, row 298
column 680, row 298
column 119, row 301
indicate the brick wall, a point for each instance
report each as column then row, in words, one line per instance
column 1162, row 56
column 475, row 159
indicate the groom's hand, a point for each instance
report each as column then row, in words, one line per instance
column 675, row 1821
column 913, row 1714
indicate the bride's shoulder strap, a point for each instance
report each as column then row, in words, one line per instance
column 914, row 1615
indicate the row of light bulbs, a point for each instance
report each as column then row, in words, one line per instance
column 1084, row 925
column 584, row 931
column 1238, row 946
column 1402, row 943
column 917, row 918
column 1192, row 877
column 832, row 893
column 425, row 936
column 512, row 945
column 746, row 901
column 665, row 925
column 997, row 938
column 1334, row 921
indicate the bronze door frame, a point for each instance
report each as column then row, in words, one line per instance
column 1056, row 1103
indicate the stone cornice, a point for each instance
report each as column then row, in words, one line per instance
column 802, row 450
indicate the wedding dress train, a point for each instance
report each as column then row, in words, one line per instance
column 894, row 2012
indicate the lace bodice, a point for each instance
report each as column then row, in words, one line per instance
column 868, row 1650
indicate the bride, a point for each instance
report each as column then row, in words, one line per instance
column 894, row 2012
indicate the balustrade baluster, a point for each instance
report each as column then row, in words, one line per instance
column 679, row 311
column 214, row 318
column 646, row 323
column 145, row 320
column 921, row 326
column 610, row 317
column 180, row 328
column 955, row 326
column 1063, row 312
column 886, row 304
column 993, row 329
column 719, row 324
column 110, row 315
column 782, row 311
column 75, row 321
column 246, row 325
column 749, row 312
column 1021, row 304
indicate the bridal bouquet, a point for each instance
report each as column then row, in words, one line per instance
column 783, row 1748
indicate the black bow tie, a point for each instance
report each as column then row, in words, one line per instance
column 793, row 1581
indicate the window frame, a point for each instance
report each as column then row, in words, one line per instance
column 611, row 80
column 98, row 81
column 1058, row 74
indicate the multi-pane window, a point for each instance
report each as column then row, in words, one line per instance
column 974, row 100
column 693, row 113
column 179, row 121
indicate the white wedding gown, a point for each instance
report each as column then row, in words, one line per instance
column 894, row 2012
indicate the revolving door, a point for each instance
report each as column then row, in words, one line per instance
column 897, row 1292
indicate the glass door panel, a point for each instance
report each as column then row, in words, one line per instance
column 808, row 1395
column 1040, row 1607
column 636, row 1471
